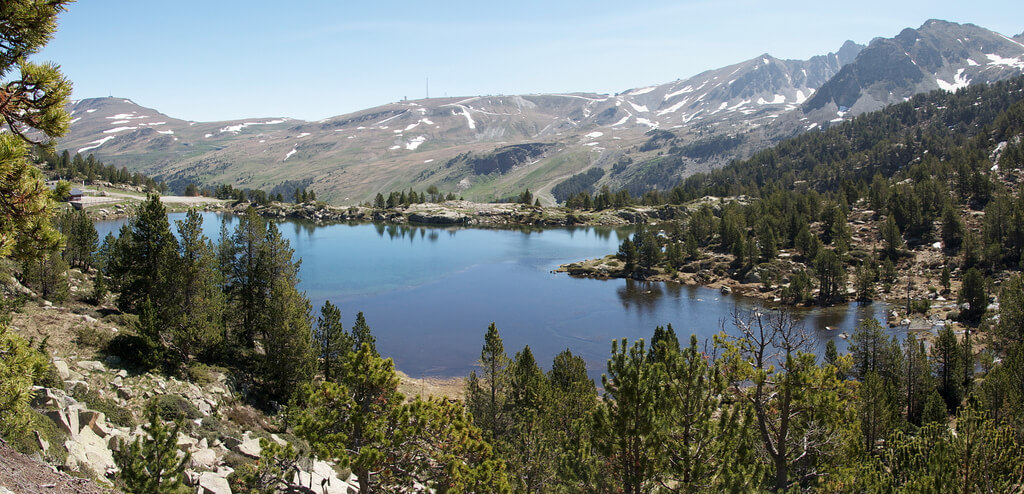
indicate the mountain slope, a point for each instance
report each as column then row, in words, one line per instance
column 938, row 55
column 493, row 147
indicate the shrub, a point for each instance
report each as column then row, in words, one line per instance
column 174, row 407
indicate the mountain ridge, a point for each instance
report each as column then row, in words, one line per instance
column 440, row 141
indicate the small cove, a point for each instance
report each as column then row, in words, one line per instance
column 429, row 293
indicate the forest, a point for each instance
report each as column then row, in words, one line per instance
column 753, row 409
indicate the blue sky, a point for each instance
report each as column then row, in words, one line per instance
column 311, row 59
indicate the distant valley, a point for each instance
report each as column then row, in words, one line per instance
column 489, row 148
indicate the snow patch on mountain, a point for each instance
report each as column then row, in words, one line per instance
column 645, row 90
column 639, row 108
column 959, row 81
column 415, row 143
column 290, row 153
column 1016, row 63
column 673, row 94
column 238, row 127
column 95, row 144
column 118, row 129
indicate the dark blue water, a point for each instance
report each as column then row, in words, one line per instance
column 429, row 294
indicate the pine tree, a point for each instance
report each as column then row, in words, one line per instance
column 629, row 430
column 529, row 441
column 197, row 321
column 33, row 101
column 151, row 463
column 972, row 292
column 486, row 397
column 361, row 335
column 330, row 339
column 285, row 329
column 707, row 441
column 799, row 406
column 145, row 258
column 248, row 280
column 948, row 360
column 892, row 238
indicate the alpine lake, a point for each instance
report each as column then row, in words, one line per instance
column 429, row 293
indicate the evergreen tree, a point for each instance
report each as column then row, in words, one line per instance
column 952, row 230
column 629, row 430
column 145, row 259
column 285, row 330
column 708, row 446
column 530, row 441
column 361, row 335
column 831, row 276
column 948, row 360
column 892, row 238
column 35, row 101
column 331, row 341
column 798, row 405
column 248, row 278
column 486, row 397
column 196, row 323
column 150, row 463
column 627, row 254
column 972, row 292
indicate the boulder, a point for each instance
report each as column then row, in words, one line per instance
column 213, row 483
column 204, row 459
column 91, row 366
column 90, row 418
column 125, row 393
column 323, row 479
column 62, row 369
column 89, row 450
column 50, row 398
column 66, row 419
column 79, row 386
column 186, row 443
column 250, row 446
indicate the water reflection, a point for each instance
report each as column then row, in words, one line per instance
column 641, row 296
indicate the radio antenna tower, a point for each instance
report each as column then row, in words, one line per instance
column 428, row 88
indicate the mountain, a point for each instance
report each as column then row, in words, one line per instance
column 486, row 147
column 938, row 55
column 493, row 147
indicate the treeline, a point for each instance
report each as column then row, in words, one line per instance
column 580, row 182
column 757, row 410
column 75, row 168
column 410, row 197
column 299, row 195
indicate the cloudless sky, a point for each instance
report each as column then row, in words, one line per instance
column 310, row 59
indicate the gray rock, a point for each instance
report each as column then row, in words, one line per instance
column 212, row 483
column 50, row 398
column 249, row 446
column 68, row 422
column 205, row 459
column 89, row 418
column 80, row 386
column 62, row 369
column 91, row 366
column 322, row 478
column 186, row 443
column 125, row 393
column 43, row 444
column 88, row 449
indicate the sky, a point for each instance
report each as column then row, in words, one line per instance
column 312, row 59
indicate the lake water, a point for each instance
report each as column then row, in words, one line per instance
column 429, row 293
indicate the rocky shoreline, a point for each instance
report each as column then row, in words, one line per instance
column 462, row 213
